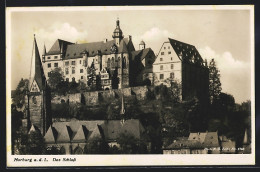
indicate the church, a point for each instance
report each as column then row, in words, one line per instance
column 116, row 58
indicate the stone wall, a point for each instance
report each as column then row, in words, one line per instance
column 93, row 98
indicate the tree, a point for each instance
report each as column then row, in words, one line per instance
column 128, row 143
column 96, row 146
column 55, row 78
column 91, row 75
column 214, row 81
column 35, row 144
column 20, row 92
column 115, row 79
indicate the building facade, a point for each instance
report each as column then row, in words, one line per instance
column 181, row 62
column 111, row 58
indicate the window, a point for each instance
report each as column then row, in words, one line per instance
column 80, row 62
column 168, row 47
column 49, row 57
column 67, row 79
column 66, row 71
column 55, row 57
column 81, row 70
column 169, row 52
column 161, row 67
column 73, row 79
column 55, row 64
column 164, row 47
column 73, row 62
column 49, row 65
column 171, row 66
column 73, row 70
column 162, row 53
column 161, row 76
column 66, row 63
column 171, row 58
column 81, row 77
column 43, row 58
column 161, row 59
column 172, row 75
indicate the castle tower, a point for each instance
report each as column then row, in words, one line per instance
column 39, row 95
column 142, row 45
column 117, row 34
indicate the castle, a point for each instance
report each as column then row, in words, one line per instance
column 115, row 58
column 111, row 58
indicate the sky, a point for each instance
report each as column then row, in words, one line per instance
column 220, row 34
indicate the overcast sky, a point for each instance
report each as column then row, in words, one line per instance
column 220, row 34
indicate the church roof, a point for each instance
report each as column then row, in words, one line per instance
column 186, row 52
column 81, row 134
column 79, row 131
column 51, row 135
column 39, row 76
column 58, row 47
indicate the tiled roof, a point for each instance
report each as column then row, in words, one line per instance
column 79, row 131
column 58, row 47
column 186, row 52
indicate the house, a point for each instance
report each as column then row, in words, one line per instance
column 196, row 143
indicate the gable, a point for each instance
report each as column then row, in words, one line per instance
column 34, row 87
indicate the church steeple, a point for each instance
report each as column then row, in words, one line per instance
column 38, row 81
column 117, row 34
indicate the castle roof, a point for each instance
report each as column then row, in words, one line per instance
column 58, row 47
column 94, row 48
column 186, row 52
column 81, row 131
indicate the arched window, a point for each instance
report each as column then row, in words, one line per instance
column 78, row 150
column 108, row 62
column 73, row 79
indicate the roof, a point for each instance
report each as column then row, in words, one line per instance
column 122, row 47
column 39, row 76
column 58, row 47
column 34, row 129
column 185, row 143
column 208, row 139
column 186, row 52
column 142, row 43
column 116, row 127
column 81, row 131
column 76, row 50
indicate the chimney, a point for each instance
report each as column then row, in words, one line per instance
column 105, row 40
